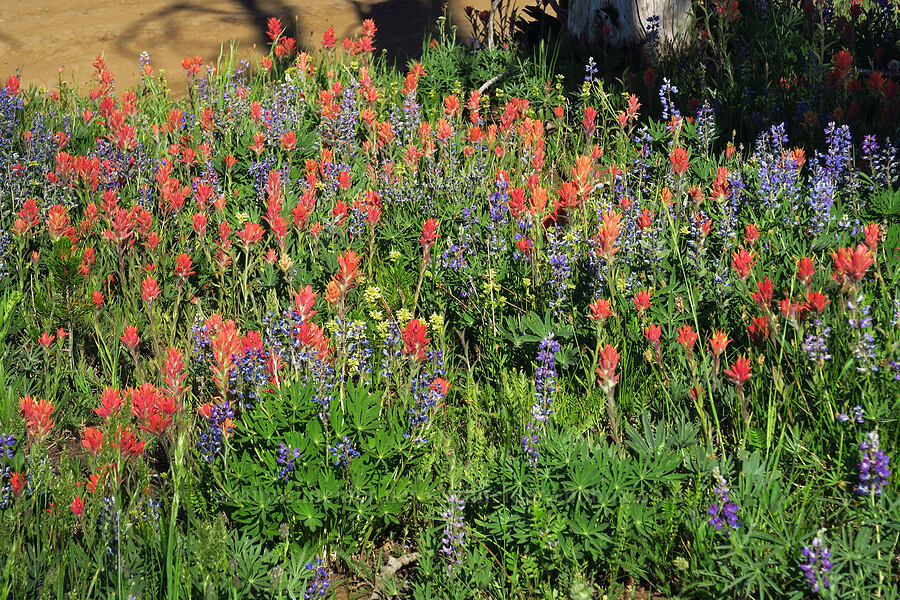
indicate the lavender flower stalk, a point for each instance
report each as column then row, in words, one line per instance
column 817, row 565
column 343, row 452
column 873, row 467
column 318, row 587
column 453, row 542
column 7, row 442
column 544, row 388
column 286, row 457
column 724, row 507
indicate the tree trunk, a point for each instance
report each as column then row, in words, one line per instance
column 626, row 20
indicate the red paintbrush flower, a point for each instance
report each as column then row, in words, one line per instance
column 440, row 386
column 12, row 85
column 645, row 220
column 751, row 233
column 174, row 374
column 157, row 423
column 589, row 121
column 16, row 482
column 873, row 234
column 805, row 270
column 274, row 29
column 129, row 445
column 110, row 403
column 818, row 301
column 251, row 234
column 687, row 337
column 607, row 234
column 46, row 339
column 843, row 62
column 742, row 261
column 740, row 371
column 304, row 302
column 149, row 289
column 328, row 39
column 199, row 222
column 763, row 294
column 192, row 65
column 373, row 214
column 289, row 141
column 429, row 235
column 758, row 330
column 130, row 337
column 37, row 414
column 652, row 333
column 143, row 400
column 680, row 158
column 58, row 222
column 348, row 269
column 183, row 264
column 601, row 310
column 77, row 506
column 608, row 359
column 850, row 265
column 718, row 342
column 368, row 28
column 414, row 340
column 641, row 301
column 223, row 345
column 795, row 312
column 259, row 144
column 91, row 482
column 92, row 440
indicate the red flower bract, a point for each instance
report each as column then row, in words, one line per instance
column 718, row 341
column 110, row 403
column 740, row 371
column 607, row 234
column 130, row 337
column 429, row 234
column 641, row 301
column 805, row 270
column 763, row 294
column 77, row 506
column 850, row 264
column 687, row 337
column 251, row 234
column 37, row 414
column 92, row 440
column 149, row 289
column 652, row 333
column 742, row 261
column 414, row 340
column 601, row 310
column 183, row 264
column 16, row 481
column 680, row 158
column 608, row 359
column 46, row 339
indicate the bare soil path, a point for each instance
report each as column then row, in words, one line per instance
column 48, row 39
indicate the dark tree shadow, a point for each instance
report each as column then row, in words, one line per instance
column 273, row 8
column 403, row 25
column 171, row 15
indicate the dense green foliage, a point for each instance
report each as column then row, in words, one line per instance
column 325, row 321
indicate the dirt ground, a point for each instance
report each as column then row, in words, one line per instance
column 49, row 39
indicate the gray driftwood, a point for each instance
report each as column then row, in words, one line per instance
column 389, row 569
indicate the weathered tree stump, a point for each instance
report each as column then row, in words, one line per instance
column 624, row 23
